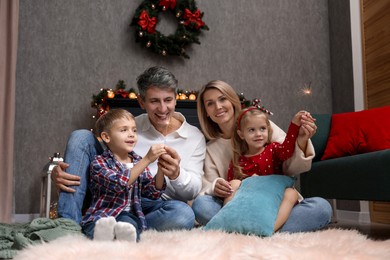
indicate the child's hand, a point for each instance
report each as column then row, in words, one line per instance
column 308, row 126
column 307, row 130
column 155, row 151
column 297, row 118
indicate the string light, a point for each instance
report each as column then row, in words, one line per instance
column 110, row 94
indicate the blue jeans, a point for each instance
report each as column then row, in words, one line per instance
column 89, row 228
column 164, row 215
column 309, row 215
column 81, row 149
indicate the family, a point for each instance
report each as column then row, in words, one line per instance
column 156, row 171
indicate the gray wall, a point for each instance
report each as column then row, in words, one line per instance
column 68, row 50
column 341, row 56
column 341, row 69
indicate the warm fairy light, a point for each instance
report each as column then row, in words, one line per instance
column 192, row 97
column 132, row 95
column 110, row 94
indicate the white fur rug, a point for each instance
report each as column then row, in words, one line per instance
column 198, row 244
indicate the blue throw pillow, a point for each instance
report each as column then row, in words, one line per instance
column 254, row 208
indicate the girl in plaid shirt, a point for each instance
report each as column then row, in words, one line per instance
column 118, row 179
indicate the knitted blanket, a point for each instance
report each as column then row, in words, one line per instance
column 14, row 237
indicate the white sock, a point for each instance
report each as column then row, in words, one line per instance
column 125, row 231
column 104, row 229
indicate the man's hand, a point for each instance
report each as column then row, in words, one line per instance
column 62, row 179
column 169, row 163
column 222, row 188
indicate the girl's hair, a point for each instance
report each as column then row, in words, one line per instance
column 211, row 129
column 106, row 121
column 240, row 147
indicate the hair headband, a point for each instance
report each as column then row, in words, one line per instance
column 256, row 104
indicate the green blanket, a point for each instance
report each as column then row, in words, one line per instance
column 14, row 237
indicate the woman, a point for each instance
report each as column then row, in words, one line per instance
column 218, row 105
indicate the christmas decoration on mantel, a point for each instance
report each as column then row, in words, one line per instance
column 189, row 27
column 99, row 101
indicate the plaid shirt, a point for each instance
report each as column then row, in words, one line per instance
column 111, row 193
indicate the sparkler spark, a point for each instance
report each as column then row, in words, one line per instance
column 306, row 90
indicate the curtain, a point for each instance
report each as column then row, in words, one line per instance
column 9, row 16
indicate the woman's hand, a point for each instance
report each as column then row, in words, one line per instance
column 62, row 179
column 222, row 188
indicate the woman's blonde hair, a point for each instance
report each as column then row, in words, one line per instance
column 211, row 129
column 240, row 147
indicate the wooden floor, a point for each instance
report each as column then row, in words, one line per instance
column 376, row 231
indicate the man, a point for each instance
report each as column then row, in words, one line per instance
column 182, row 165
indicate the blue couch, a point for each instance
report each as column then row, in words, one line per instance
column 357, row 177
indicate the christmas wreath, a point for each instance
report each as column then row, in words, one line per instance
column 189, row 19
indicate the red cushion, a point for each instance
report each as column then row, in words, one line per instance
column 375, row 126
column 358, row 132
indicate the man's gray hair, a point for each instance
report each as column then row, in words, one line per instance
column 158, row 77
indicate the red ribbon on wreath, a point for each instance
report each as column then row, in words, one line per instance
column 193, row 18
column 147, row 23
column 168, row 3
